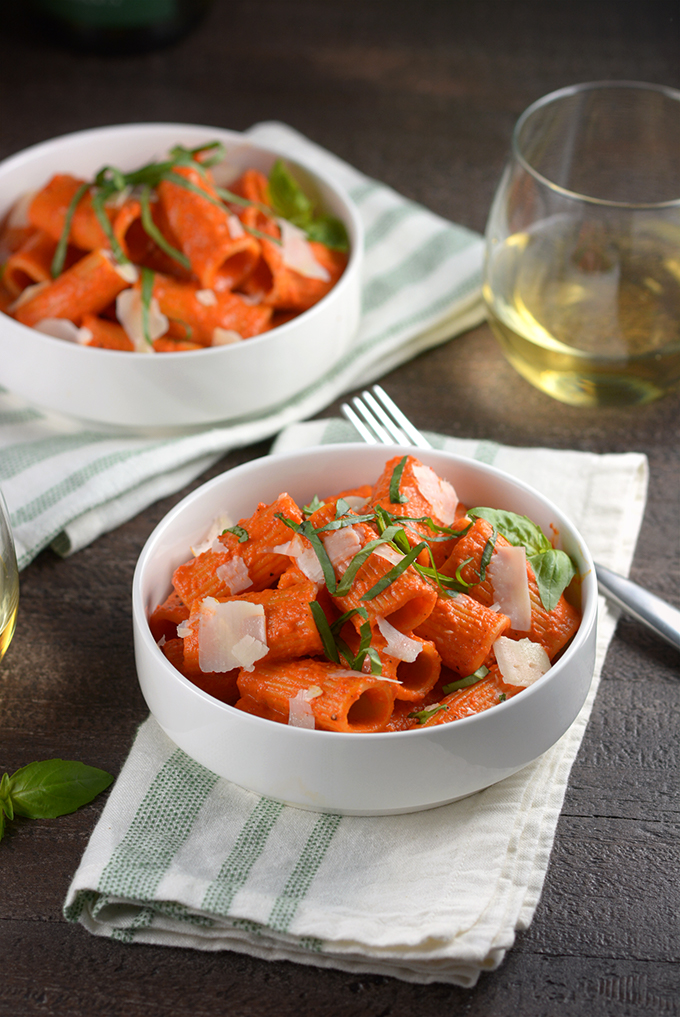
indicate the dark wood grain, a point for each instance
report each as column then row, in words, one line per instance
column 422, row 96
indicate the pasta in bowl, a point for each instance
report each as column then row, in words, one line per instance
column 234, row 269
column 336, row 670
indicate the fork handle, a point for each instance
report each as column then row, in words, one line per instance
column 661, row 617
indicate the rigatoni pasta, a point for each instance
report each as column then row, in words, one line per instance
column 172, row 259
column 335, row 615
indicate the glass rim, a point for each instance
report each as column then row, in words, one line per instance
column 568, row 90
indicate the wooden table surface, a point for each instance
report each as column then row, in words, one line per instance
column 423, row 96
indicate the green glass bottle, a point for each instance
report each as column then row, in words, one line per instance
column 117, row 26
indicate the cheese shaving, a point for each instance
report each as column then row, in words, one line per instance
column 235, row 574
column 236, row 230
column 129, row 314
column 230, row 635
column 305, row 556
column 298, row 254
column 398, row 645
column 341, row 546
column 225, row 337
column 206, row 297
column 507, row 572
column 219, row 525
column 300, row 713
column 390, row 554
column 439, row 493
column 521, row 661
column 63, row 328
column 18, row 215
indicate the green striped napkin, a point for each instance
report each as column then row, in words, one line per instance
column 66, row 483
column 183, row 858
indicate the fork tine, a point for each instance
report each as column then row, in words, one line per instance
column 396, row 433
column 348, row 412
column 383, row 436
column 414, row 435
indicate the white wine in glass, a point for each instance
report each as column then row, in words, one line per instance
column 9, row 580
column 582, row 278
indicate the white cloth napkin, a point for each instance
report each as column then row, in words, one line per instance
column 66, row 483
column 181, row 857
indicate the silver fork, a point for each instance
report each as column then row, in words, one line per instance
column 379, row 421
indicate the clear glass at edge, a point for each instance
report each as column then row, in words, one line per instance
column 9, row 580
column 582, row 277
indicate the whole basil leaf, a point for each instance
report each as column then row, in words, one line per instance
column 55, row 787
column 554, row 570
column 329, row 231
column 288, row 198
column 519, row 530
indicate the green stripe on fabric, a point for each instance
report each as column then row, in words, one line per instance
column 10, row 418
column 304, row 872
column 419, row 264
column 486, row 452
column 56, row 493
column 83, row 899
column 245, row 852
column 142, row 920
column 361, row 192
column 17, row 458
column 387, row 222
column 161, row 825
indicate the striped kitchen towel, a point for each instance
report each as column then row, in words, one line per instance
column 183, row 858
column 66, row 483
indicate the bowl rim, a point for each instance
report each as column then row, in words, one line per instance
column 579, row 640
column 353, row 222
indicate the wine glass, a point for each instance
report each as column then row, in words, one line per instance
column 582, row 277
column 9, row 580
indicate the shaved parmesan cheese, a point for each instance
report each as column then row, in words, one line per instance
column 18, row 214
column 206, row 297
column 440, row 494
column 341, row 546
column 129, row 314
column 231, row 634
column 62, row 328
column 225, row 337
column 27, row 294
column 390, row 554
column 297, row 253
column 300, row 713
column 355, row 502
column 219, row 525
column 235, row 574
column 185, row 629
column 521, row 662
column 304, row 555
column 126, row 270
column 398, row 645
column 507, row 572
column 236, row 230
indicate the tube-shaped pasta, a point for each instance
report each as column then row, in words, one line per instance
column 206, row 231
column 30, row 264
column 107, row 335
column 87, row 287
column 201, row 576
column 199, row 312
column 405, row 603
column 464, row 631
column 416, row 677
column 348, row 700
column 552, row 629
column 279, row 285
column 50, row 206
column 165, row 618
column 484, row 694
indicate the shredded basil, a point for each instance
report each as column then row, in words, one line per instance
column 463, row 683
column 147, row 293
column 324, row 630
column 486, row 554
column 422, row 716
column 152, row 230
column 394, row 572
column 396, row 497
column 57, row 266
column 238, row 531
column 313, row 506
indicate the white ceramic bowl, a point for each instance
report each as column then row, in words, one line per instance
column 178, row 390
column 357, row 774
